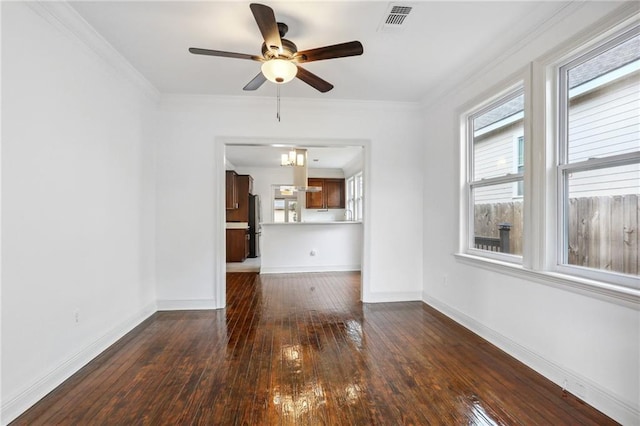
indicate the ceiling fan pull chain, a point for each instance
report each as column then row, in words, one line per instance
column 278, row 101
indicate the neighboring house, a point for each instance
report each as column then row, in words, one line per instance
column 499, row 150
column 604, row 119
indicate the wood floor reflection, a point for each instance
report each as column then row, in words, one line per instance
column 300, row 349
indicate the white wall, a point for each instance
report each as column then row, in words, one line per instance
column 355, row 166
column 77, row 205
column 591, row 341
column 289, row 247
column 190, row 188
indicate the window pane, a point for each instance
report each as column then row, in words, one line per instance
column 495, row 139
column 291, row 210
column 497, row 219
column 278, row 210
column 602, row 218
column 603, row 99
column 359, row 197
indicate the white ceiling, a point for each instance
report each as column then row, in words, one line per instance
column 269, row 156
column 440, row 44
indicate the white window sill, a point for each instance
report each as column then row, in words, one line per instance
column 610, row 292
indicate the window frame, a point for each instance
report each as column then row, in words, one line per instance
column 514, row 88
column 358, row 213
column 556, row 75
column 355, row 196
column 351, row 201
column 519, row 148
column 540, row 246
column 287, row 200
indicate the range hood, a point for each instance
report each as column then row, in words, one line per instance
column 289, row 189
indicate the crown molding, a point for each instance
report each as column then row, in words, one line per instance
column 623, row 12
column 68, row 21
column 465, row 78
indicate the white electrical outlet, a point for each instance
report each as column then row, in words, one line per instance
column 445, row 279
column 76, row 316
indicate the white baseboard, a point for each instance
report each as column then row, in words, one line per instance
column 301, row 269
column 593, row 394
column 412, row 296
column 187, row 305
column 36, row 391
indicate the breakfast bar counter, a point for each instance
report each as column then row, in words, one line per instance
column 311, row 246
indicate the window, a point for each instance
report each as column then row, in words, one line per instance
column 577, row 197
column 355, row 196
column 495, row 175
column 520, row 165
column 598, row 164
column 358, row 214
column 285, row 204
column 351, row 196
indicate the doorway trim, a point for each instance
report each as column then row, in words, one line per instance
column 219, row 214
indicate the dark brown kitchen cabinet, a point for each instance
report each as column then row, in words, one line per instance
column 237, row 245
column 315, row 199
column 334, row 192
column 330, row 197
column 231, row 190
column 244, row 187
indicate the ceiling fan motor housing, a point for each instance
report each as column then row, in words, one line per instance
column 288, row 50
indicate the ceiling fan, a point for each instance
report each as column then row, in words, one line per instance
column 280, row 57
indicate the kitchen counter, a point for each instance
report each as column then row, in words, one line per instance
column 339, row 222
column 311, row 247
column 237, row 225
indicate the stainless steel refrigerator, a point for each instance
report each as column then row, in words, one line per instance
column 254, row 225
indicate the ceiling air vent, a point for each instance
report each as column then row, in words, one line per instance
column 395, row 17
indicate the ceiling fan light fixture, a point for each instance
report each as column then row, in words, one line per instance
column 279, row 71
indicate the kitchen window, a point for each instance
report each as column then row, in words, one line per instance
column 355, row 196
column 359, row 213
column 285, row 203
column 351, row 194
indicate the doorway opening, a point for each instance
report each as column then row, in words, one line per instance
column 337, row 161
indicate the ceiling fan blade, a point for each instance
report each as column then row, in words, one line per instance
column 256, row 82
column 351, row 48
column 266, row 20
column 313, row 80
column 222, row 53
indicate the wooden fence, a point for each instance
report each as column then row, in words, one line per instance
column 603, row 231
column 488, row 218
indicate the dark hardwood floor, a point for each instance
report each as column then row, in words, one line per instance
column 301, row 349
